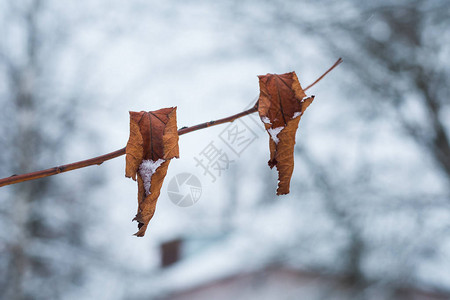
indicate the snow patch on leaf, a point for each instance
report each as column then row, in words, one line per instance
column 266, row 120
column 274, row 133
column 147, row 169
column 299, row 113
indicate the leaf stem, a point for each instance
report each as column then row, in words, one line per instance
column 102, row 158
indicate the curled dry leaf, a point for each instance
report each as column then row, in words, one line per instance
column 153, row 142
column 281, row 104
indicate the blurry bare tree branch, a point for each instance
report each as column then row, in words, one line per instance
column 43, row 224
column 397, row 52
column 397, row 71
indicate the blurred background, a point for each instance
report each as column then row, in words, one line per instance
column 368, row 215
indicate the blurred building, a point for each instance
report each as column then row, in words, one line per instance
column 268, row 282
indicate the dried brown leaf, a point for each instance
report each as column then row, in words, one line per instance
column 280, row 105
column 153, row 142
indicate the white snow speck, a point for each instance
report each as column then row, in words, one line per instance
column 299, row 113
column 147, row 169
column 266, row 120
column 274, row 132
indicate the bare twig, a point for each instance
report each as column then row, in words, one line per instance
column 324, row 74
column 102, row 158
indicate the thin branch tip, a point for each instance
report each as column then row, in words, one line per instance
column 337, row 63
